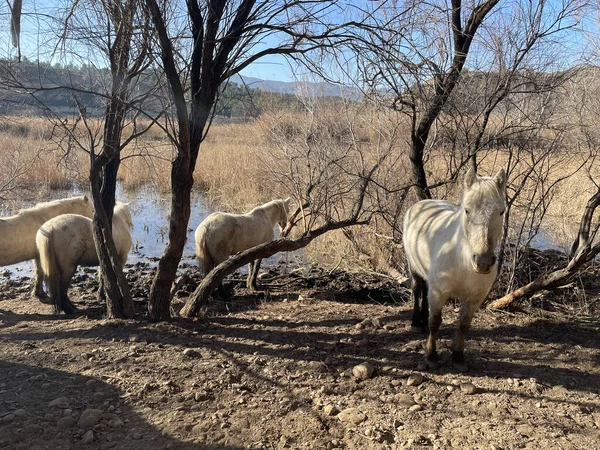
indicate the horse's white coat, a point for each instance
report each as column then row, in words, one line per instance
column 223, row 234
column 66, row 241
column 452, row 248
column 17, row 233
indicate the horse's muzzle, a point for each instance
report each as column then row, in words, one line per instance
column 483, row 264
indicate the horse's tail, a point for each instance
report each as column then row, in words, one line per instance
column 205, row 260
column 48, row 261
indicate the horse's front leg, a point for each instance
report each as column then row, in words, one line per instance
column 467, row 311
column 436, row 304
column 253, row 274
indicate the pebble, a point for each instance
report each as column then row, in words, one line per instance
column 351, row 415
column 60, row 402
column 65, row 422
column 33, row 429
column 8, row 418
column 415, row 408
column 362, row 343
column 89, row 418
column 405, row 400
column 20, row 412
column 363, row 371
column 88, row 437
column 136, row 436
column 468, row 388
column 450, row 388
column 90, row 383
column 414, row 379
column 330, row 410
column 190, row 352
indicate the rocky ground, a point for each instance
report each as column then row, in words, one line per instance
column 318, row 361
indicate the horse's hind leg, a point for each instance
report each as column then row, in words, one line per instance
column 38, row 281
column 253, row 274
column 420, row 306
column 467, row 311
column 65, row 302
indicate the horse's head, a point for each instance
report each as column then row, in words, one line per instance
column 122, row 212
column 284, row 212
column 483, row 205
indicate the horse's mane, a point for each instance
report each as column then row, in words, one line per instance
column 43, row 205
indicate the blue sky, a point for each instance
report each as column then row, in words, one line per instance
column 38, row 15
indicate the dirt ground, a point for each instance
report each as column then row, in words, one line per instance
column 274, row 370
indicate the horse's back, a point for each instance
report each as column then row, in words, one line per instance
column 429, row 225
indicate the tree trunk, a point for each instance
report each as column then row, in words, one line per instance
column 119, row 303
column 181, row 186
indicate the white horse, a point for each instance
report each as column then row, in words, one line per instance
column 67, row 241
column 17, row 233
column 450, row 252
column 223, row 234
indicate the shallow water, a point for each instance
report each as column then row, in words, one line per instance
column 150, row 212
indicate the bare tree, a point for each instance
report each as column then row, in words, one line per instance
column 332, row 169
column 415, row 56
column 225, row 36
column 119, row 31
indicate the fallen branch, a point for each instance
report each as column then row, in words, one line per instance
column 200, row 296
column 582, row 252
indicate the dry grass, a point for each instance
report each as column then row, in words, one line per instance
column 238, row 163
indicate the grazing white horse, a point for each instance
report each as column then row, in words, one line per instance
column 67, row 241
column 223, row 234
column 17, row 233
column 450, row 252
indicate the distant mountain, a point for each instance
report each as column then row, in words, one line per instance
column 318, row 89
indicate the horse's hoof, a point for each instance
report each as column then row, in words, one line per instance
column 458, row 361
column 460, row 366
column 416, row 329
column 432, row 364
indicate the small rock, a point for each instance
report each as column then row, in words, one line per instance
column 363, row 371
column 89, row 418
column 20, row 412
column 88, row 437
column 134, row 338
column 8, row 418
column 61, row 402
column 190, row 352
column 415, row 408
column 468, row 388
column 450, row 388
column 362, row 342
column 90, row 383
column 33, row 429
column 351, row 415
column 65, row 422
column 330, row 410
column 136, row 436
column 376, row 322
column 414, row 379
column 405, row 400
column 388, row 327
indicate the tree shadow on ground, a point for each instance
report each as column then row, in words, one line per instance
column 27, row 421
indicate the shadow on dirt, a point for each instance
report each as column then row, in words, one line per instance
column 27, row 421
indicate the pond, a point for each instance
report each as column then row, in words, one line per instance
column 150, row 213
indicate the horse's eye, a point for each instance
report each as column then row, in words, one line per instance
column 502, row 212
column 467, row 212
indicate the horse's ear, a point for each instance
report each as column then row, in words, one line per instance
column 500, row 179
column 470, row 178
